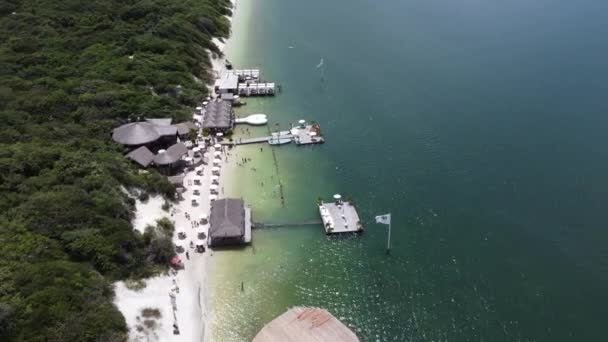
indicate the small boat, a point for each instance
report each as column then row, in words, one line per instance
column 279, row 141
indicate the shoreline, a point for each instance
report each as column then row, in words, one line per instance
column 192, row 298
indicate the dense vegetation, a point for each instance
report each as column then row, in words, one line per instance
column 70, row 70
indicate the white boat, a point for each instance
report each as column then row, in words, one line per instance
column 279, row 141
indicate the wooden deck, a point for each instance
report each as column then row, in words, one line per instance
column 302, row 324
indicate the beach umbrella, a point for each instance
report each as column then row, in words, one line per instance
column 198, row 168
column 196, row 149
column 176, row 260
column 196, row 187
column 200, row 242
column 213, row 186
column 219, row 134
column 301, row 122
column 203, row 216
column 215, row 168
column 337, row 196
column 217, row 161
column 217, row 153
column 205, row 103
column 217, row 146
column 312, row 134
column 212, row 197
column 161, row 151
column 208, row 98
column 199, row 108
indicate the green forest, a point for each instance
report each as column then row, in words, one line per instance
column 70, row 71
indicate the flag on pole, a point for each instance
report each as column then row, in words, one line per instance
column 383, row 219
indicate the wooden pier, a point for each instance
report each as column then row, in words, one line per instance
column 261, row 225
column 301, row 135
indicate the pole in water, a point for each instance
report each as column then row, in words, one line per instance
column 242, row 286
column 388, row 242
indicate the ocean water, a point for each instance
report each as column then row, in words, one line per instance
column 479, row 125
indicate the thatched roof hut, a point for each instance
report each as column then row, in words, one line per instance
column 171, row 155
column 142, row 156
column 135, row 133
column 302, row 324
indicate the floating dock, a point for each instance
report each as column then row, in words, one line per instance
column 256, row 89
column 302, row 134
column 247, row 75
column 339, row 217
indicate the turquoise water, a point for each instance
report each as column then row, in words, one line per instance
column 478, row 124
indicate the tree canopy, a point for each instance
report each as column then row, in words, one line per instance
column 70, row 71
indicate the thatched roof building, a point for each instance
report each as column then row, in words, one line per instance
column 219, row 116
column 227, row 222
column 142, row 156
column 302, row 324
column 136, row 133
column 171, row 155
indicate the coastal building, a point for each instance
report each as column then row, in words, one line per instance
column 142, row 156
column 302, row 324
column 228, row 83
column 219, row 116
column 184, row 128
column 229, row 223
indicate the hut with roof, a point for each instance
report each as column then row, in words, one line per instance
column 229, row 223
column 219, row 117
column 171, row 158
column 143, row 133
column 301, row 324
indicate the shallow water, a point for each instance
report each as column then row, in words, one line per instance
column 479, row 125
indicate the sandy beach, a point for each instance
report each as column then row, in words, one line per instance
column 186, row 285
column 181, row 297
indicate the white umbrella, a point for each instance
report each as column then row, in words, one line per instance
column 217, row 153
column 301, row 122
column 212, row 197
column 215, row 178
column 199, row 108
column 188, row 159
column 337, row 196
column 208, row 98
column 219, row 134
column 161, row 151
column 217, row 146
column 196, row 187
column 196, row 149
column 312, row 134
column 217, row 161
column 200, row 242
column 203, row 216
column 198, row 168
column 215, row 168
column 213, row 186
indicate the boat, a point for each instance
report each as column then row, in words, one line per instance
column 279, row 141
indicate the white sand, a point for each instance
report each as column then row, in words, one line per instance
column 192, row 311
column 190, row 315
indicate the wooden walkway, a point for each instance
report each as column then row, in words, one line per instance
column 260, row 225
column 246, row 141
